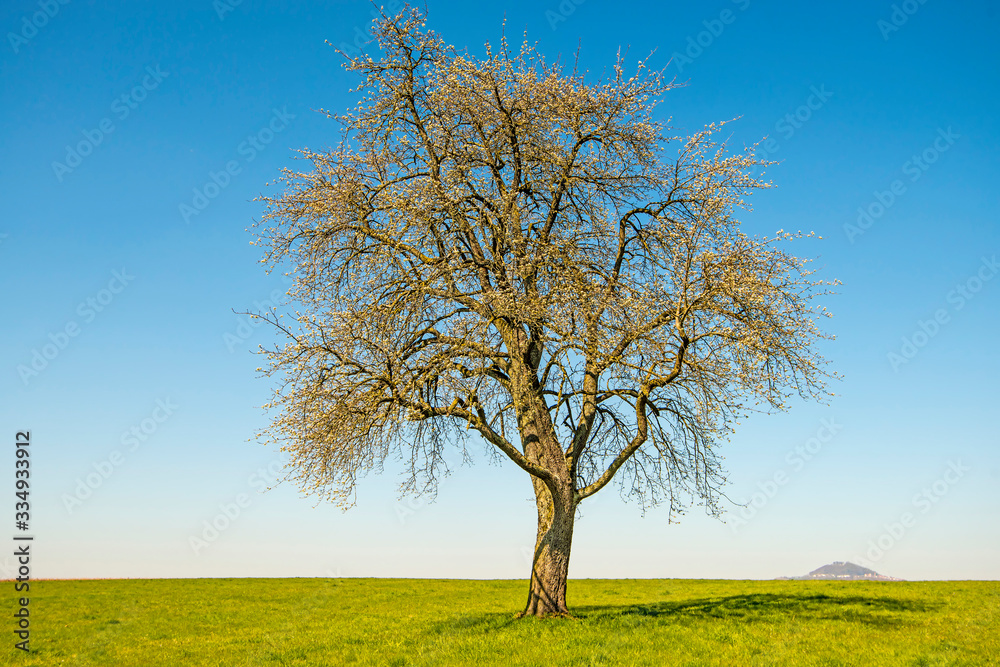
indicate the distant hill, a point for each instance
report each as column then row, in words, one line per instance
column 842, row 571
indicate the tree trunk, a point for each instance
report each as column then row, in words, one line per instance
column 550, row 566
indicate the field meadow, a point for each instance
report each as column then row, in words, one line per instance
column 462, row 622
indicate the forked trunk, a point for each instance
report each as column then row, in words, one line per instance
column 550, row 566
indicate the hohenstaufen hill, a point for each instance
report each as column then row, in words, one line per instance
column 841, row 571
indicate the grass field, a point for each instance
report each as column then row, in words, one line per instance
column 457, row 622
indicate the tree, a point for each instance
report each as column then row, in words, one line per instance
column 498, row 247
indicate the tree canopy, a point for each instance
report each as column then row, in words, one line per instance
column 499, row 248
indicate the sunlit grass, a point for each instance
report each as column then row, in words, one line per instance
column 459, row 622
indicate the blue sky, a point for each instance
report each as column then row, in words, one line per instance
column 121, row 351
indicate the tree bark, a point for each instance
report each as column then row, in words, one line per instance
column 550, row 565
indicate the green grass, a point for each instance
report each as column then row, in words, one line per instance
column 453, row 622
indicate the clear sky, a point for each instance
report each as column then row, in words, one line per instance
column 136, row 136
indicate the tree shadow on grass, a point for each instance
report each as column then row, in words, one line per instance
column 755, row 607
column 766, row 607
